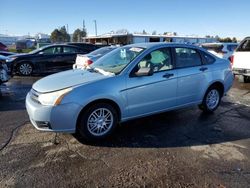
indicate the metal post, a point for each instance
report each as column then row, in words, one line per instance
column 95, row 28
column 83, row 25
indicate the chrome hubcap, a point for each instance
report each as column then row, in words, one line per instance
column 25, row 69
column 212, row 99
column 100, row 121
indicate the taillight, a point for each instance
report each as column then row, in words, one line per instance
column 89, row 62
column 232, row 59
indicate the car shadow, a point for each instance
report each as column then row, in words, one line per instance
column 187, row 127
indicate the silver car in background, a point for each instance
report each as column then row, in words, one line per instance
column 129, row 82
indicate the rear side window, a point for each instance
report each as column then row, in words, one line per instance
column 69, row 50
column 244, row 46
column 186, row 57
column 52, row 50
column 207, row 59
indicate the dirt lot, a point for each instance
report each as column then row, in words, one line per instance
column 183, row 148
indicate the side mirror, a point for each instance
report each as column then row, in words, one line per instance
column 41, row 53
column 146, row 71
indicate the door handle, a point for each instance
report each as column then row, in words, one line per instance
column 203, row 69
column 168, row 75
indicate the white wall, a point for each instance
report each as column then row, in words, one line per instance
column 139, row 39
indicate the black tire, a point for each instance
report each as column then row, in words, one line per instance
column 243, row 79
column 87, row 118
column 209, row 107
column 24, row 69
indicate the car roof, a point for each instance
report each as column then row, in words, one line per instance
column 163, row 44
column 219, row 43
column 246, row 38
column 51, row 45
column 54, row 45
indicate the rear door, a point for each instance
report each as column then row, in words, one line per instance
column 48, row 58
column 68, row 57
column 241, row 58
column 192, row 76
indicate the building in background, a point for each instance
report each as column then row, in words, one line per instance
column 8, row 40
column 127, row 38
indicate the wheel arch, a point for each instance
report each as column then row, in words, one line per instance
column 107, row 101
column 219, row 85
column 18, row 63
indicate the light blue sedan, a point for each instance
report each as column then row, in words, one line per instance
column 130, row 82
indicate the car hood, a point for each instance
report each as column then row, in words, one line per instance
column 66, row 79
column 19, row 55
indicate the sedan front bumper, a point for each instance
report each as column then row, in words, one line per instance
column 61, row 118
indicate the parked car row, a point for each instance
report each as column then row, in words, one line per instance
column 129, row 82
column 48, row 59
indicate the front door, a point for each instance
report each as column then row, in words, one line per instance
column 152, row 93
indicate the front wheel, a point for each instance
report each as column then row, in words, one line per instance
column 25, row 69
column 98, row 122
column 211, row 100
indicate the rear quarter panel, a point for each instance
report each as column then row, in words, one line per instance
column 221, row 72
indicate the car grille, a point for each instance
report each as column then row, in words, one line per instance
column 34, row 95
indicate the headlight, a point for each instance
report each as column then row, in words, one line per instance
column 53, row 98
column 10, row 59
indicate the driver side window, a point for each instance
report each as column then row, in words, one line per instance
column 52, row 50
column 158, row 60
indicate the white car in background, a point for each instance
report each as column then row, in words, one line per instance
column 221, row 49
column 85, row 60
column 241, row 60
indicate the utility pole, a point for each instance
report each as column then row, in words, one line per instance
column 83, row 25
column 95, row 28
column 67, row 28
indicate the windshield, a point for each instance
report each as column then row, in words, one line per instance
column 118, row 59
column 102, row 51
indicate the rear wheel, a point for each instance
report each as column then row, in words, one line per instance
column 211, row 99
column 25, row 69
column 98, row 122
column 244, row 79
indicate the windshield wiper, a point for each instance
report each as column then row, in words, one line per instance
column 106, row 73
column 101, row 71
